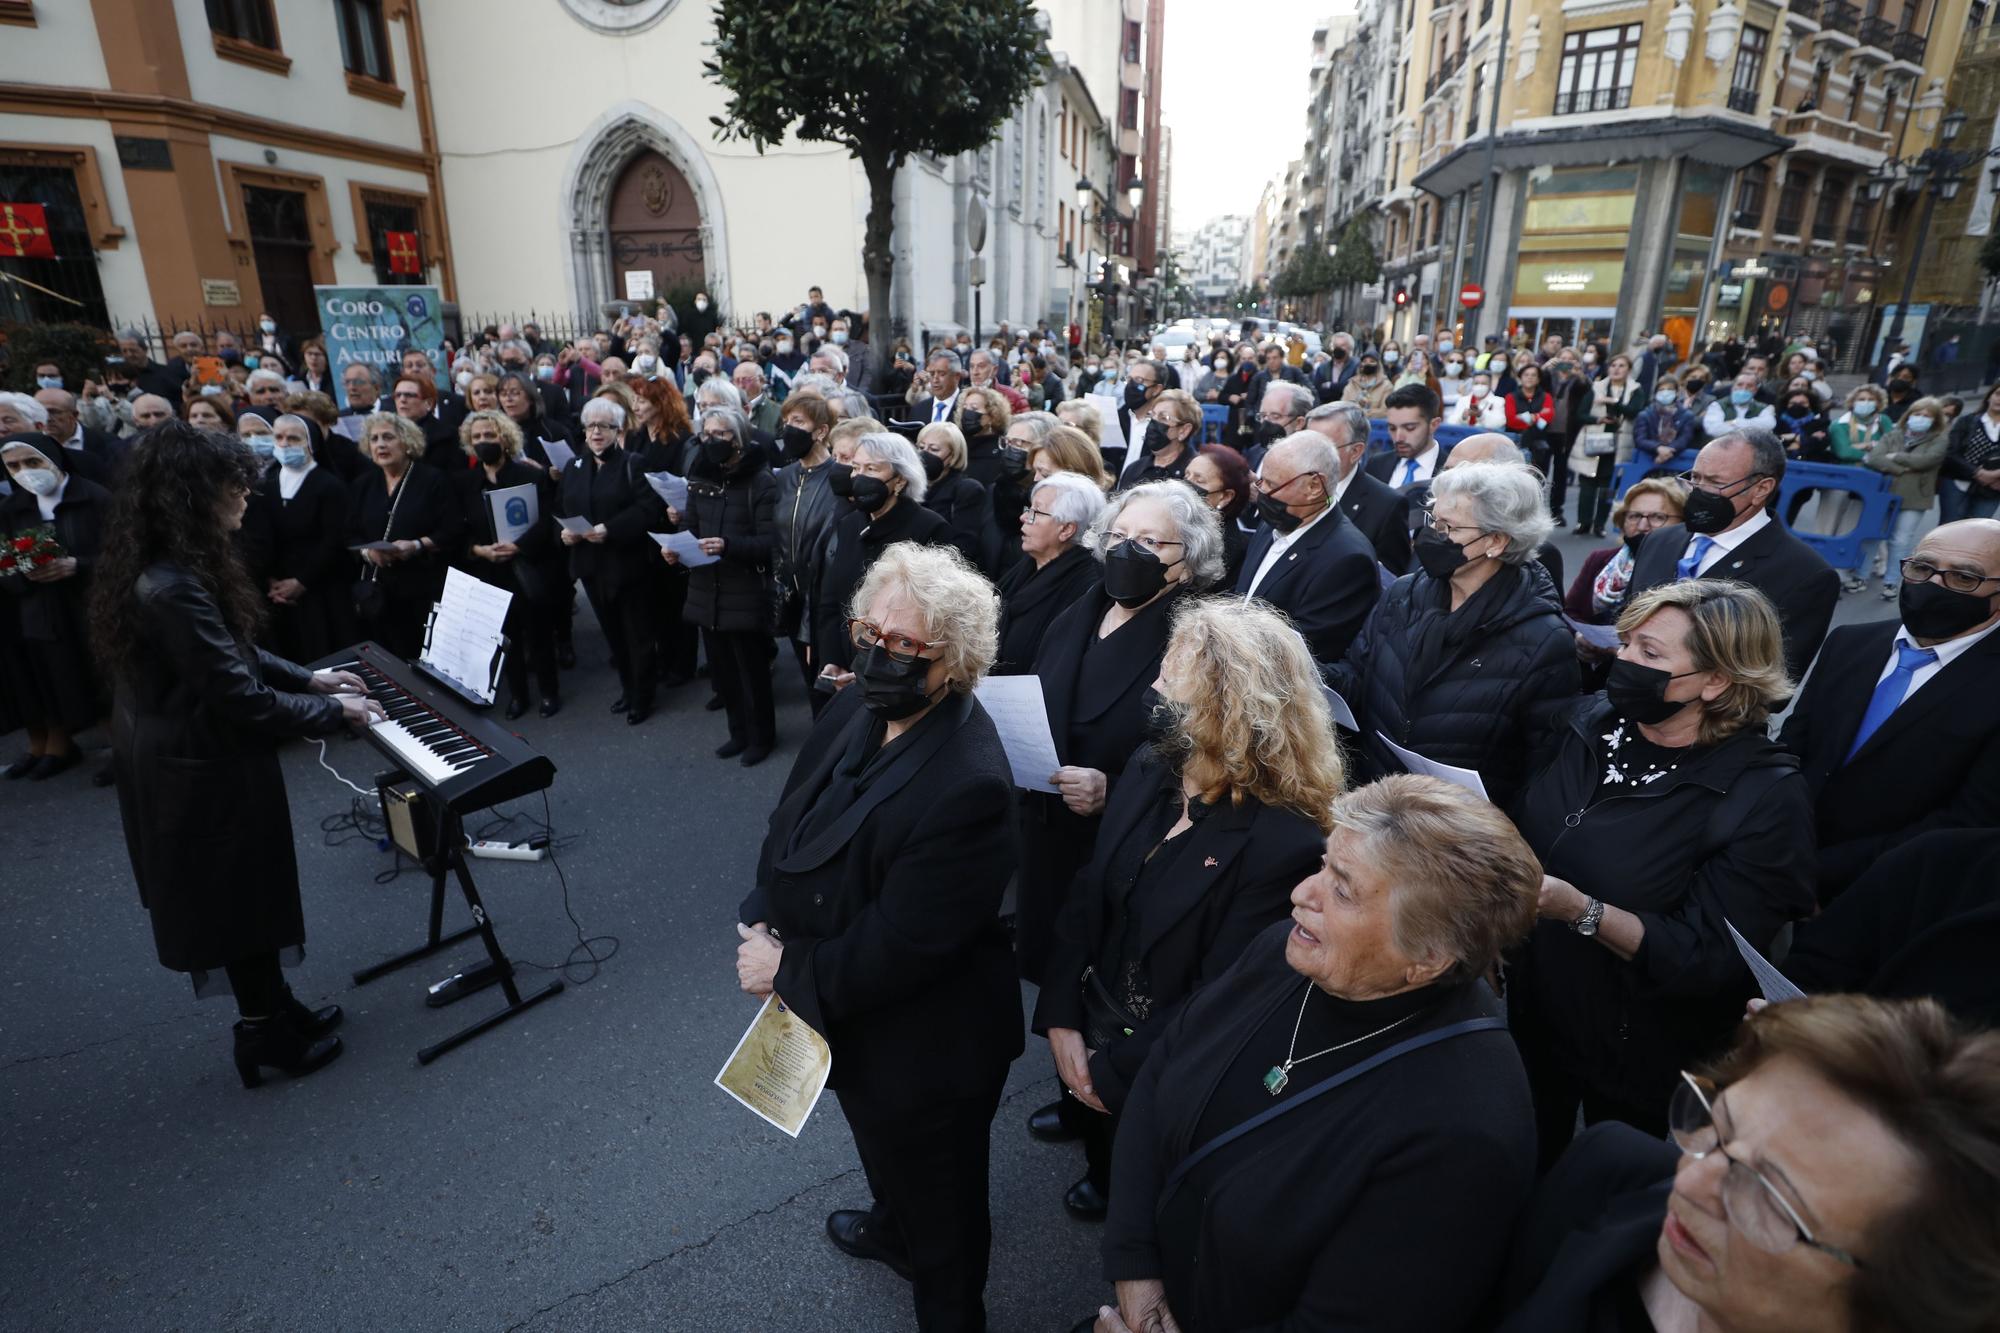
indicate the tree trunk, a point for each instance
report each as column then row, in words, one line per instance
column 878, row 258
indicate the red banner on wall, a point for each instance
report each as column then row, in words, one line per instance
column 402, row 251
column 24, row 232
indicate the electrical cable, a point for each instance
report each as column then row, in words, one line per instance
column 590, row 960
column 336, row 772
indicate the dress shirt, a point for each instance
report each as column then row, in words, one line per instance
column 1722, row 543
column 1426, row 462
column 1280, row 543
column 941, row 409
column 1346, row 480
column 1945, row 651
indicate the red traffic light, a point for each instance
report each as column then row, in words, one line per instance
column 1402, row 297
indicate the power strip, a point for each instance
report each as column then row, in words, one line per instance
column 508, row 851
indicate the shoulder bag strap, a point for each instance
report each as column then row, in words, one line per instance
column 1344, row 1077
column 390, row 526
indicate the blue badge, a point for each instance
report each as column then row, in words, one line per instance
column 418, row 307
column 517, row 512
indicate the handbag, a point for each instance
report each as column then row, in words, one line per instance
column 370, row 598
column 1105, row 1021
column 1597, row 442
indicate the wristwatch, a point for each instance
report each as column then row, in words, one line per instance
column 1586, row 925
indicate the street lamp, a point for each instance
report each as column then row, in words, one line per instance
column 1085, row 192
column 1936, row 173
column 1135, row 190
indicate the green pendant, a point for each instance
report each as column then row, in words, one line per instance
column 1275, row 1081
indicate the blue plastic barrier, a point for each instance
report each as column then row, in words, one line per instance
column 1214, row 421
column 1879, row 504
column 1378, row 435
column 1635, row 470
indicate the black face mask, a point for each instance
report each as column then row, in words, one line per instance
column 1269, row 432
column 1156, row 439
column 1013, row 462
column 1932, row 611
column 1135, row 395
column 1339, row 355
column 866, row 493
column 1633, row 543
column 1133, row 577
column 1369, row 371
column 698, row 376
column 717, row 450
column 890, row 689
column 1640, row 692
column 972, row 424
column 1440, row 556
column 933, row 465
column 1705, row 511
column 1273, row 511
column 840, row 481
column 794, row 443
column 488, row 453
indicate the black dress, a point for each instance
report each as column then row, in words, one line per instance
column 676, row 640
column 968, row 508
column 538, row 576
column 309, row 543
column 611, row 490
column 54, row 676
column 424, row 506
column 1032, row 596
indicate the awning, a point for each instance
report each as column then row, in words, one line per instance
column 1707, row 139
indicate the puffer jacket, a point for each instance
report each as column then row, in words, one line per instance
column 1482, row 702
column 730, row 594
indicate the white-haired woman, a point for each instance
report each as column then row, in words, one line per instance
column 1467, row 659
column 1056, row 568
column 408, row 523
column 956, row 498
column 528, row 563
column 1213, row 823
column 606, row 486
column 883, row 490
column 876, row 919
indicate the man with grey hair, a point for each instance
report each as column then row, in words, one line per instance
column 1280, row 412
column 91, row 453
column 267, row 390
column 983, row 369
column 149, row 410
column 1308, row 560
column 941, row 375
column 759, row 406
column 1727, row 532
column 148, row 375
column 1376, row 510
column 828, row 360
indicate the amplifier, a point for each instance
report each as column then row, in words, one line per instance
column 410, row 815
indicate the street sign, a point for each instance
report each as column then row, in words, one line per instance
column 1470, row 295
column 1371, row 291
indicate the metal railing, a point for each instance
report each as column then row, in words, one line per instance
column 1909, row 46
column 1744, row 100
column 1840, row 16
column 1805, row 9
column 1597, row 99
column 1878, row 33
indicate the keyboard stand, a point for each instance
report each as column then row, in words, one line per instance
column 448, row 861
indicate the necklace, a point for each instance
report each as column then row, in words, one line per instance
column 1280, row 1075
column 1632, row 773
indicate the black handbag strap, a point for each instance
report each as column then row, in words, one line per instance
column 1345, row 1076
column 390, row 526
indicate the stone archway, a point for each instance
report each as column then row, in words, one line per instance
column 615, row 141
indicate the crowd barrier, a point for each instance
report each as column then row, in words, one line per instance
column 1842, row 550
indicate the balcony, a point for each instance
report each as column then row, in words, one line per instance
column 1803, row 14
column 1744, row 100
column 1877, row 35
column 1908, row 48
column 1823, row 229
column 1747, row 219
column 1820, row 134
column 1599, row 99
column 1838, row 23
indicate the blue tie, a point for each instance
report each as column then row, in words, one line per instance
column 1409, row 473
column 1691, row 562
column 1891, row 691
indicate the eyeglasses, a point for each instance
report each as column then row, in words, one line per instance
column 590, row 426
column 1958, row 580
column 1265, row 488
column 1038, row 516
column 1714, row 486
column 1150, row 545
column 1754, row 1205
column 1658, row 520
column 900, row 647
column 1437, row 524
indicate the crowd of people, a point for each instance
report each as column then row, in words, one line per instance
column 1325, row 1024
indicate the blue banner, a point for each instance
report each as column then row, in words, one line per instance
column 375, row 326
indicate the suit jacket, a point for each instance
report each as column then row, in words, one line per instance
column 1801, row 586
column 890, row 918
column 924, row 406
column 1933, row 764
column 1381, row 514
column 1384, row 466
column 1326, row 582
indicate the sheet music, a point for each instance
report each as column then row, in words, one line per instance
column 1413, row 762
column 1021, row 715
column 575, row 523
column 1776, row 986
column 466, row 633
column 1341, row 712
column 559, row 454
column 1597, row 636
column 685, row 545
column 672, row 489
column 1112, row 435
column 515, row 510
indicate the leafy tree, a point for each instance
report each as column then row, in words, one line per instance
column 883, row 78
column 79, row 349
column 1356, row 261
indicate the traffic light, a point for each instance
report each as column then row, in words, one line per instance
column 1402, row 297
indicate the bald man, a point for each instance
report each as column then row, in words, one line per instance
column 1898, row 726
column 149, row 410
column 91, row 453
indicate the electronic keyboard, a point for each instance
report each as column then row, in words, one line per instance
column 463, row 757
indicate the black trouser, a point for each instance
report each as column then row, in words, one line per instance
column 675, row 640
column 1097, row 1130
column 1593, row 495
column 1558, row 471
column 802, row 651
column 531, row 635
column 927, row 1165
column 739, row 666
column 627, row 621
column 259, row 984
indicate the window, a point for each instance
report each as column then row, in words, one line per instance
column 364, row 38
column 1472, row 102
column 1749, row 72
column 385, row 216
column 66, row 286
column 1791, row 203
column 1826, row 218
column 245, row 20
column 1750, row 187
column 1596, row 73
column 1888, row 105
column 1042, row 166
column 1859, row 87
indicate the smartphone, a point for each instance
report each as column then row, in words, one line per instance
column 824, row 682
column 208, row 370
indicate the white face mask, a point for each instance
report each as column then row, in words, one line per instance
column 267, row 325
column 701, row 303
column 784, row 348
column 39, row 480
column 1453, row 366
column 1916, row 425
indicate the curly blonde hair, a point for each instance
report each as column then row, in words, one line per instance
column 406, row 430
column 996, row 415
column 510, row 432
column 960, row 609
column 1256, row 722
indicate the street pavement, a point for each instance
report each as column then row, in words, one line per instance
column 573, row 1169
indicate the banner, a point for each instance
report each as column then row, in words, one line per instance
column 24, row 232
column 402, row 247
column 374, row 325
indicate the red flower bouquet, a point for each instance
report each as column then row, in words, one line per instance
column 30, row 550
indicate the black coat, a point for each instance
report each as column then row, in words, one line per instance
column 732, row 594
column 1727, row 836
column 805, row 509
column 1325, row 581
column 427, row 507
column 1934, row 763
column 1591, row 1232
column 540, row 569
column 54, row 675
column 1486, row 701
column 1385, row 1203
column 846, row 551
column 1802, row 587
column 1030, row 600
column 1233, row 877
column 1382, row 515
column 309, row 543
column 893, row 947
column 968, row 507
column 612, row 490
column 202, row 796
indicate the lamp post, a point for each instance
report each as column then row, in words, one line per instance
column 1936, row 173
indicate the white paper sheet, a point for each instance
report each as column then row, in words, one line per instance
column 574, row 523
column 559, row 454
column 466, row 633
column 1021, row 715
column 509, row 520
column 685, row 545
column 1775, row 985
column 1413, row 762
column 1341, row 712
column 672, row 489
column 1597, row 636
column 1112, row 433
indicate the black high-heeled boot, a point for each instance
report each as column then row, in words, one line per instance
column 275, row 1043
column 313, row 1023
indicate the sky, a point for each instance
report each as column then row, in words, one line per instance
column 1234, row 90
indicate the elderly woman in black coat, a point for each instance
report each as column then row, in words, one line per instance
column 731, row 498
column 1336, row 1132
column 876, row 919
column 310, row 579
column 958, row 499
column 1664, row 816
column 1467, row 659
column 1212, row 824
column 605, row 486
column 46, row 592
column 528, row 564
column 200, row 713
column 407, row 522
column 1056, row 570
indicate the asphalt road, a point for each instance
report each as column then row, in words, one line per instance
column 574, row 1169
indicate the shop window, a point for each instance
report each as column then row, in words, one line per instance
column 244, row 20
column 1596, row 72
column 364, row 39
column 1748, row 74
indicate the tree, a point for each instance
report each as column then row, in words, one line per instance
column 883, row 78
column 1356, row 260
